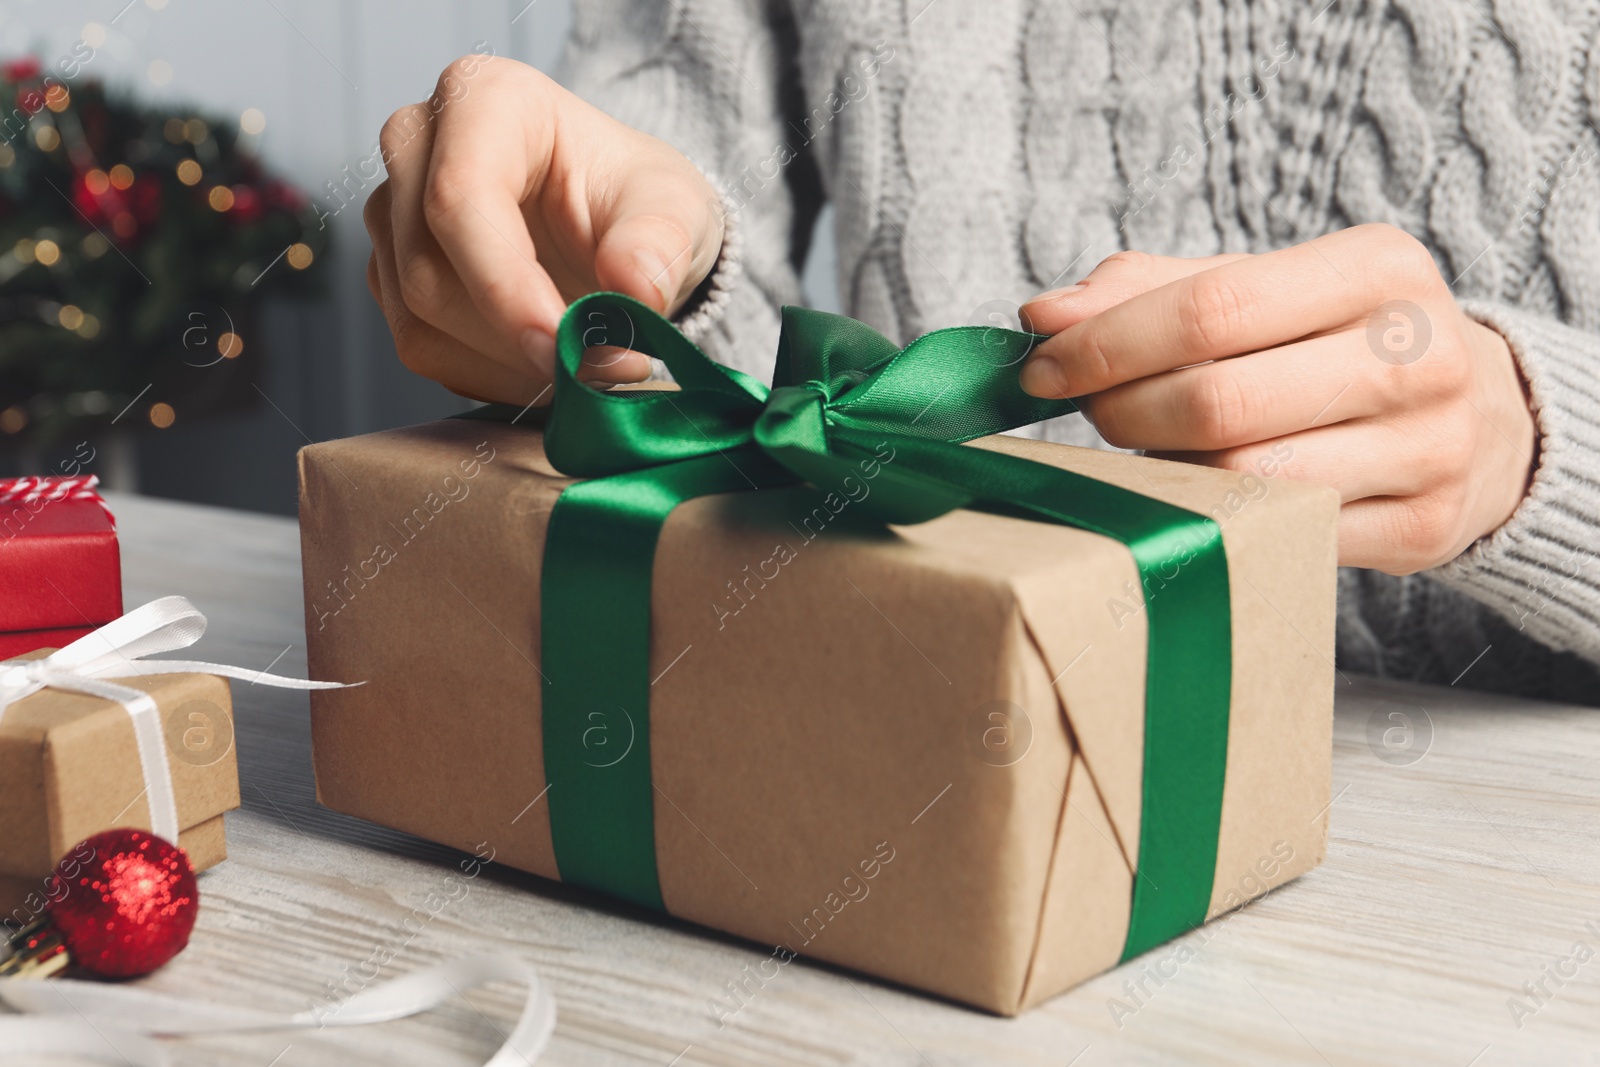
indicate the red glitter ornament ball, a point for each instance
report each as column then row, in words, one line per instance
column 129, row 907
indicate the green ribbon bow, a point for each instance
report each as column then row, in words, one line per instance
column 841, row 393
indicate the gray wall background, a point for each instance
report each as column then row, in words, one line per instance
column 326, row 73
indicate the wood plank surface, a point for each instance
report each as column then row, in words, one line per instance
column 1451, row 880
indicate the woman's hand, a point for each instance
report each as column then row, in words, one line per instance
column 508, row 197
column 1349, row 349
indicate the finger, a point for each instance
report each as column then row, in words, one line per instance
column 427, row 350
column 1397, row 535
column 1118, row 277
column 464, row 371
column 658, row 238
column 485, row 162
column 1361, row 459
column 431, row 352
column 1240, row 307
column 1232, row 402
column 427, row 282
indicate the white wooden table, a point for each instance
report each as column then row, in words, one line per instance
column 1450, row 882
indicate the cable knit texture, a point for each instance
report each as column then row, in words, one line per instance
column 978, row 151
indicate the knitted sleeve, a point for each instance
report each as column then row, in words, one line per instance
column 1519, row 611
column 715, row 79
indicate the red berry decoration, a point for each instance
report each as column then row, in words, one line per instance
column 122, row 903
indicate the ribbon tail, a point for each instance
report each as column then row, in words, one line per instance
column 147, row 667
column 126, row 1015
column 102, row 1044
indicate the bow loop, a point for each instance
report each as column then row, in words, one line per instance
column 163, row 625
column 952, row 385
column 831, row 349
column 592, row 434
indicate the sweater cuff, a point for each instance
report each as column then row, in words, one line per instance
column 1539, row 569
column 710, row 299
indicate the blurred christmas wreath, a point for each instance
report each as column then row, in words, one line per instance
column 135, row 244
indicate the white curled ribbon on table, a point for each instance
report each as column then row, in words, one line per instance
column 115, row 650
column 116, row 1023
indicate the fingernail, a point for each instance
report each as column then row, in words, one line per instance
column 540, row 348
column 654, row 268
column 1053, row 294
column 1042, row 376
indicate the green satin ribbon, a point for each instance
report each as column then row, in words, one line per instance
column 843, row 397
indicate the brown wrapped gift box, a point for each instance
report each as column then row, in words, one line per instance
column 69, row 768
column 821, row 735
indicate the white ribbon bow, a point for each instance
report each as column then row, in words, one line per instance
column 122, row 1019
column 116, row 649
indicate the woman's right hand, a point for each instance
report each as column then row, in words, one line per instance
column 509, row 197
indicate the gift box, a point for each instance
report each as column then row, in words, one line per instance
column 71, row 766
column 60, row 574
column 968, row 750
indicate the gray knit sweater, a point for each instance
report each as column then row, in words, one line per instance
column 979, row 151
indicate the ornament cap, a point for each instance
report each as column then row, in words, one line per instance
column 35, row 951
column 122, row 903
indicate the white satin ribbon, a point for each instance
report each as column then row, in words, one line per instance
column 115, row 1023
column 115, row 650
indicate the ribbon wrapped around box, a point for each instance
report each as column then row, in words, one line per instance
column 829, row 665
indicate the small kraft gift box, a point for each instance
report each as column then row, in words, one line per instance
column 830, row 665
column 60, row 572
column 91, row 739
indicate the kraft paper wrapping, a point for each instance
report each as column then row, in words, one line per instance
column 913, row 751
column 69, row 768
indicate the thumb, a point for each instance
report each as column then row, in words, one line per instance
column 659, row 240
column 1120, row 276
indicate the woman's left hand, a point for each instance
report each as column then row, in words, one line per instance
column 1348, row 349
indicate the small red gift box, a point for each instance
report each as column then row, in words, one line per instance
column 60, row 570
